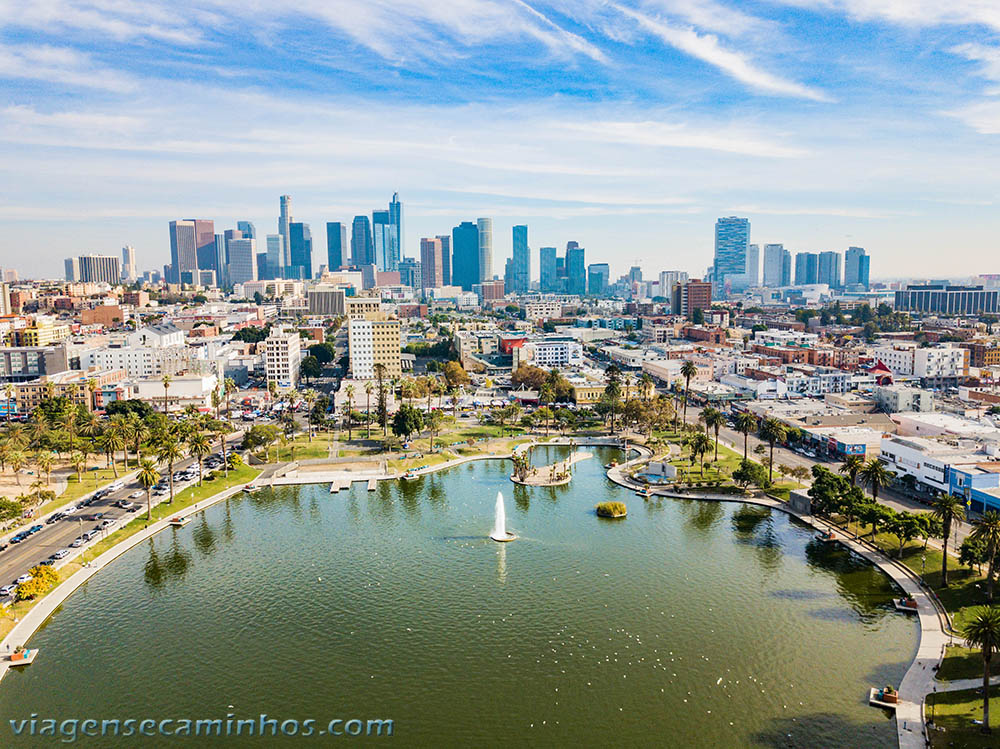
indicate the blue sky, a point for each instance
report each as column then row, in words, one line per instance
column 628, row 126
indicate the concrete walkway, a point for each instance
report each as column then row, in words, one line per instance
column 550, row 475
column 959, row 684
column 918, row 681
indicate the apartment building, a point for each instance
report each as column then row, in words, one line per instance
column 282, row 356
column 373, row 342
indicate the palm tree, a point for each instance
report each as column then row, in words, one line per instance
column 874, row 476
column 368, row 408
column 148, row 476
column 309, row 396
column 8, row 391
column 349, row 392
column 948, row 509
column 44, row 463
column 91, row 389
column 688, row 370
column 851, row 466
column 746, row 422
column 169, row 452
column 645, row 385
column 199, row 446
column 220, row 430
column 771, row 431
column 166, row 387
column 983, row 632
column 79, row 461
column 16, row 459
column 713, row 419
column 138, row 432
column 699, row 444
column 229, row 387
column 114, row 440
column 987, row 530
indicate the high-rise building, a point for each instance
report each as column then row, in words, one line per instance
column 275, row 270
column 385, row 241
column 183, row 249
column 691, row 295
column 373, row 342
column 828, row 269
column 635, row 274
column 72, row 268
column 336, row 245
column 598, row 275
column 362, row 249
column 485, row 227
column 396, row 219
column 777, row 266
column 431, row 263
column 221, row 260
column 100, row 269
column 247, row 228
column 410, row 272
column 732, row 240
column 548, row 278
column 284, row 221
column 667, row 279
column 576, row 269
column 128, row 264
column 752, row 279
column 856, row 268
column 948, row 300
column 445, row 258
column 282, row 356
column 300, row 241
column 242, row 261
column 806, row 268
column 521, row 261
column 204, row 233
column 465, row 255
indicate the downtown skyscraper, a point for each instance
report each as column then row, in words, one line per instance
column 284, row 219
column 300, row 251
column 777, row 266
column 362, row 249
column 485, row 228
column 465, row 255
column 576, row 269
column 732, row 241
column 548, row 272
column 336, row 245
column 856, row 262
column 521, row 261
column 828, row 269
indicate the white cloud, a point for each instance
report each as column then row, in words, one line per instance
column 913, row 12
column 706, row 47
column 133, row 19
column 60, row 65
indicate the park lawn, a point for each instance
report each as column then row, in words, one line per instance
column 964, row 663
column 482, row 431
column 430, row 459
column 955, row 711
column 244, row 474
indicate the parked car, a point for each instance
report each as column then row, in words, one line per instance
column 54, row 517
column 136, row 495
column 23, row 578
column 107, row 522
column 7, row 590
column 94, row 516
column 4, row 547
column 127, row 505
column 78, row 542
column 35, row 529
column 18, row 538
column 46, row 562
column 61, row 554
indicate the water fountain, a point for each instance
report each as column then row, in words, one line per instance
column 499, row 532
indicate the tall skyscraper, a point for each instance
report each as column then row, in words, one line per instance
column 806, row 268
column 72, row 267
column 336, row 245
column 777, row 266
column 396, row 219
column 598, row 275
column 183, row 249
column 220, row 263
column 242, row 260
column 385, row 241
column 247, row 228
column 410, row 272
column 100, row 269
column 465, row 255
column 431, row 263
column 667, row 279
column 521, row 266
column 752, row 280
column 635, row 274
column 548, row 277
column 284, row 220
column 856, row 262
column 828, row 269
column 300, row 241
column 445, row 258
column 362, row 249
column 275, row 251
column 732, row 240
column 485, row 227
column 576, row 269
column 128, row 264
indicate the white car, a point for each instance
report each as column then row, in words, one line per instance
column 107, row 522
column 23, row 578
column 136, row 495
column 78, row 542
column 61, row 554
column 70, row 510
column 116, row 487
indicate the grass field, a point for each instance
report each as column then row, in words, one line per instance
column 955, row 711
column 965, row 663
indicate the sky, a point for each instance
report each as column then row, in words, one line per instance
column 627, row 126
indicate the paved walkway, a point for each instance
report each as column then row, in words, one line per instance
column 918, row 681
column 551, row 475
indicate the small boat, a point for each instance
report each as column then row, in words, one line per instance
column 179, row 522
column 827, row 537
column 410, row 476
column 251, row 488
column 645, row 492
column 612, row 464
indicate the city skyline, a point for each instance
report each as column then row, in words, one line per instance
column 118, row 121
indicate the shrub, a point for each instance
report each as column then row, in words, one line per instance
column 611, row 509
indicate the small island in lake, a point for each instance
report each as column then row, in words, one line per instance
column 611, row 509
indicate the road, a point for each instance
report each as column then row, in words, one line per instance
column 17, row 559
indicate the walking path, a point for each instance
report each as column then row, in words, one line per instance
column 918, row 681
column 556, row 474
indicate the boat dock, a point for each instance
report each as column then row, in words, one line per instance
column 372, row 484
column 340, row 484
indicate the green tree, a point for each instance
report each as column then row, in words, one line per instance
column 148, row 476
column 689, row 370
column 199, row 446
column 987, row 531
column 850, row 467
column 750, row 472
column 983, row 631
column 905, row 526
column 407, row 420
column 771, row 431
column 713, row 419
column 433, row 422
column 310, row 367
column 699, row 444
column 949, row 509
column 166, row 387
column 874, row 475
column 746, row 422
column 168, row 453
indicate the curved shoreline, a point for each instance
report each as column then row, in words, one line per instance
column 916, row 683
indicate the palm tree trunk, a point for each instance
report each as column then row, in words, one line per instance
column 746, row 444
column 944, row 553
column 989, row 575
column 770, row 466
column 986, row 691
column 149, row 503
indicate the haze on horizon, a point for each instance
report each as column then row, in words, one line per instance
column 629, row 127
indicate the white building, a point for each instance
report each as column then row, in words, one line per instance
column 282, row 356
column 785, row 338
column 895, row 398
column 541, row 311
column 937, row 364
column 184, row 391
column 242, row 267
column 549, row 352
column 927, row 460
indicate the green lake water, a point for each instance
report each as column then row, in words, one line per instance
column 687, row 624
